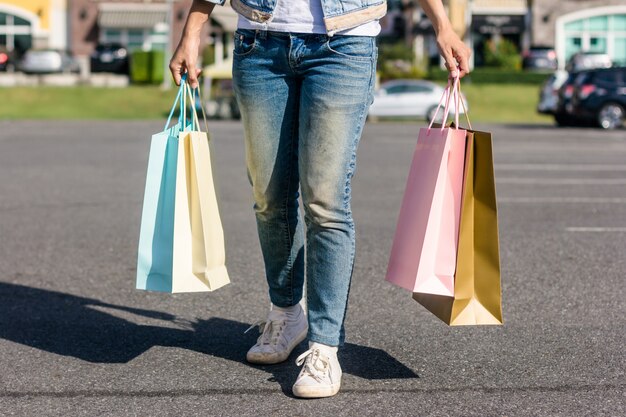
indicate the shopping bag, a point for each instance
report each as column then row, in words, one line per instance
column 423, row 254
column 181, row 242
column 477, row 290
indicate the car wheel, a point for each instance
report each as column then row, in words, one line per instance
column 611, row 116
column 224, row 111
column 430, row 115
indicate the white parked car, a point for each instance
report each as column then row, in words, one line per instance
column 409, row 98
column 44, row 61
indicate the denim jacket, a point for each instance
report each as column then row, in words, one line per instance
column 338, row 14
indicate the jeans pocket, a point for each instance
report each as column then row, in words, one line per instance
column 245, row 42
column 358, row 48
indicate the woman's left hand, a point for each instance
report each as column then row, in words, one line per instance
column 454, row 51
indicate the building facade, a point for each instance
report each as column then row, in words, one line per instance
column 571, row 26
column 494, row 20
column 26, row 24
column 135, row 24
column 477, row 22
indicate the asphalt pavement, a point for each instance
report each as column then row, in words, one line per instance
column 76, row 338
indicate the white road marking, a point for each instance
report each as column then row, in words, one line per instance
column 534, row 200
column 563, row 181
column 559, row 167
column 596, row 229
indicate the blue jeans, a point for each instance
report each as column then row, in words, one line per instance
column 303, row 101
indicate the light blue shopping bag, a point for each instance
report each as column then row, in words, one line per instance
column 156, row 238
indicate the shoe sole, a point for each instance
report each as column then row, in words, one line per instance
column 316, row 392
column 271, row 359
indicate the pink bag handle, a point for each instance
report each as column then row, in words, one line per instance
column 453, row 88
column 459, row 99
column 446, row 96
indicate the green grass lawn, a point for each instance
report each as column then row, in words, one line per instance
column 498, row 103
column 85, row 103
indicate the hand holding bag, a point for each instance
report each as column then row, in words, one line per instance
column 181, row 243
column 477, row 296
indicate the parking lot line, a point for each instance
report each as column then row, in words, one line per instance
column 559, row 167
column 596, row 229
column 535, row 200
column 563, row 181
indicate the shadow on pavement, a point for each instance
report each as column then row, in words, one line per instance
column 74, row 326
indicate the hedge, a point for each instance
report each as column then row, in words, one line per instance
column 494, row 76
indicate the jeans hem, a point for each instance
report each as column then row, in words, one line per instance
column 325, row 340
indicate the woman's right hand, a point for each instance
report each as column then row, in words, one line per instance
column 186, row 55
column 184, row 60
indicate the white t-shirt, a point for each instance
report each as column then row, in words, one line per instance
column 304, row 16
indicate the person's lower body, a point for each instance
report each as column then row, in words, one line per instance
column 304, row 100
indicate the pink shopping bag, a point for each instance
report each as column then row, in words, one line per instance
column 423, row 255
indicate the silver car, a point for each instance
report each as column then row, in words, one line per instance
column 549, row 93
column 42, row 61
column 409, row 98
column 588, row 60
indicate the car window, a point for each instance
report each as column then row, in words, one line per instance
column 582, row 78
column 414, row 88
column 396, row 89
column 606, row 77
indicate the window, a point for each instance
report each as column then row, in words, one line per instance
column 598, row 34
column 619, row 57
column 15, row 33
column 572, row 45
column 112, row 36
column 598, row 23
column 415, row 88
column 135, row 39
column 597, row 44
column 619, row 22
column 18, row 21
column 396, row 89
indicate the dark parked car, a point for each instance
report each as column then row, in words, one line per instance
column 7, row 59
column 110, row 57
column 599, row 97
column 563, row 114
column 540, row 58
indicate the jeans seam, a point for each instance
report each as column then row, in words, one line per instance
column 348, row 192
column 286, row 208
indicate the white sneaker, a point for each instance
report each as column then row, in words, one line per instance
column 280, row 334
column 321, row 374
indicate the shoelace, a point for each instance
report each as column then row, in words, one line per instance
column 270, row 331
column 315, row 365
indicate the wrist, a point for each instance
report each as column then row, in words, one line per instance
column 442, row 27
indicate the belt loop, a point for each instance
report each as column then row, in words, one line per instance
column 261, row 34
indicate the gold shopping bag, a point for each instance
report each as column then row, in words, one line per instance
column 477, row 293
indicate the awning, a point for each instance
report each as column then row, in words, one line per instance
column 226, row 17
column 128, row 15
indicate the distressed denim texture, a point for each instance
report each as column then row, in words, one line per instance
column 304, row 100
